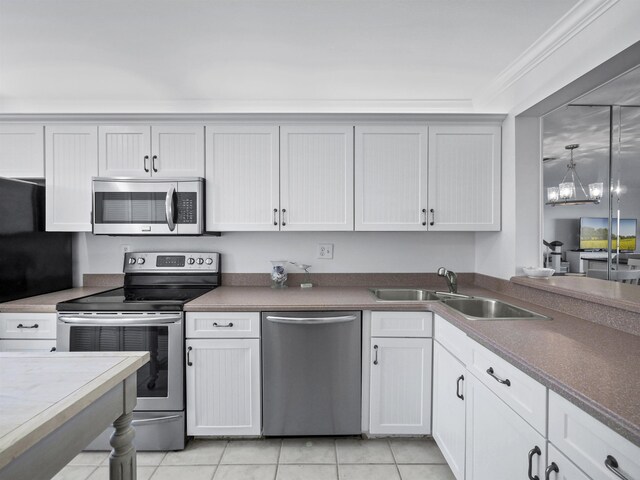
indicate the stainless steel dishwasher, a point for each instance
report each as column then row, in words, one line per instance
column 311, row 372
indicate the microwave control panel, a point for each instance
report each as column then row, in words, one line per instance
column 187, row 207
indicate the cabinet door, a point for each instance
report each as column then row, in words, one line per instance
column 316, row 177
column 498, row 440
column 464, row 178
column 243, row 178
column 561, row 468
column 125, row 151
column 177, row 151
column 400, row 386
column 391, row 177
column 22, row 151
column 223, row 387
column 71, row 159
column 449, row 408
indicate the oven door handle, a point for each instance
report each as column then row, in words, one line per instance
column 107, row 321
column 168, row 208
column 146, row 421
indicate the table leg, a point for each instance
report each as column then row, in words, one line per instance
column 122, row 461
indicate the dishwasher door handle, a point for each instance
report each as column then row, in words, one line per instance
column 311, row 320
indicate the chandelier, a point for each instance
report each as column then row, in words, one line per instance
column 565, row 192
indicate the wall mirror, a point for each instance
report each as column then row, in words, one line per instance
column 591, row 183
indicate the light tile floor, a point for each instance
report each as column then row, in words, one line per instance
column 279, row 459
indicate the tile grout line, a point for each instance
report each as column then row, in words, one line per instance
column 278, row 461
column 395, row 461
column 335, row 448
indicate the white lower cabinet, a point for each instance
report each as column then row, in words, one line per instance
column 560, row 467
column 500, row 445
column 27, row 332
column 449, row 376
column 223, row 386
column 400, row 386
column 27, row 345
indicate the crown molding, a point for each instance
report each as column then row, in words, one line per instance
column 573, row 22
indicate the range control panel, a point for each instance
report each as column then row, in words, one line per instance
column 185, row 262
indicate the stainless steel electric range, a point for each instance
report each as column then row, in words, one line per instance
column 145, row 315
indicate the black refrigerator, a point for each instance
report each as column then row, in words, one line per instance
column 32, row 261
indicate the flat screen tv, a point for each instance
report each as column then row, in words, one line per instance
column 594, row 232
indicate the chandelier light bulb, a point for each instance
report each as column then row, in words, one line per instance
column 595, row 190
column 567, row 190
column 553, row 194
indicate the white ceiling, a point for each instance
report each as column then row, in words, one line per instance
column 70, row 55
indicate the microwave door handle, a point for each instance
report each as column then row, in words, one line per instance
column 169, row 209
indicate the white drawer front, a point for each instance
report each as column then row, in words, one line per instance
column 564, row 468
column 588, row 442
column 28, row 325
column 27, row 345
column 401, row 324
column 452, row 338
column 223, row 325
column 523, row 394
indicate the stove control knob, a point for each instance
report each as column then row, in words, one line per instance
column 132, row 260
column 141, row 260
column 191, row 261
column 208, row 261
column 200, row 261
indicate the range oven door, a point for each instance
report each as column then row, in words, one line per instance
column 147, row 207
column 160, row 382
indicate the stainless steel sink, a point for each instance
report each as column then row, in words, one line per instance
column 404, row 295
column 411, row 295
column 489, row 309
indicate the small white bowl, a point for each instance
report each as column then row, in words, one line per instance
column 536, row 272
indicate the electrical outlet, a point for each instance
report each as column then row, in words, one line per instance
column 325, row 251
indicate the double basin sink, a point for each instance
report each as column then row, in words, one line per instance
column 472, row 308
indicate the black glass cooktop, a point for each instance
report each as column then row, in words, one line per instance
column 135, row 299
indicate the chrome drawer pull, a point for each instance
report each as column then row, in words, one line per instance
column 222, row 326
column 534, row 451
column 506, row 381
column 612, row 464
column 551, row 468
column 24, row 326
column 458, row 394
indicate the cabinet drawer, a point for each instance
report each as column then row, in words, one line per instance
column 223, row 325
column 28, row 325
column 565, row 469
column 523, row 394
column 401, row 324
column 452, row 338
column 588, row 442
column 27, row 345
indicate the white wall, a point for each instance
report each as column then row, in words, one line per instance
column 251, row 252
column 499, row 254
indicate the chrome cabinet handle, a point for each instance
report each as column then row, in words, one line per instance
column 506, row 381
column 458, row 394
column 215, row 324
column 168, row 208
column 284, row 223
column 534, row 451
column 189, row 362
column 551, row 468
column 612, row 465
column 275, row 220
column 433, row 217
column 153, row 163
column 424, row 216
column 35, row 325
column 144, row 163
column 375, row 361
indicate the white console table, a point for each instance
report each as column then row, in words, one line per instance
column 53, row 404
column 577, row 260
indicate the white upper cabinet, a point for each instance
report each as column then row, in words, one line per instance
column 141, row 151
column 242, row 178
column 316, row 177
column 71, row 153
column 22, row 151
column 464, row 178
column 391, row 177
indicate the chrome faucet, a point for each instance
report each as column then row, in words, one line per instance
column 452, row 279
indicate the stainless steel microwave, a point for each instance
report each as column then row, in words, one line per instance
column 133, row 206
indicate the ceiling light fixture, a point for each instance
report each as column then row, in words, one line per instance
column 565, row 192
